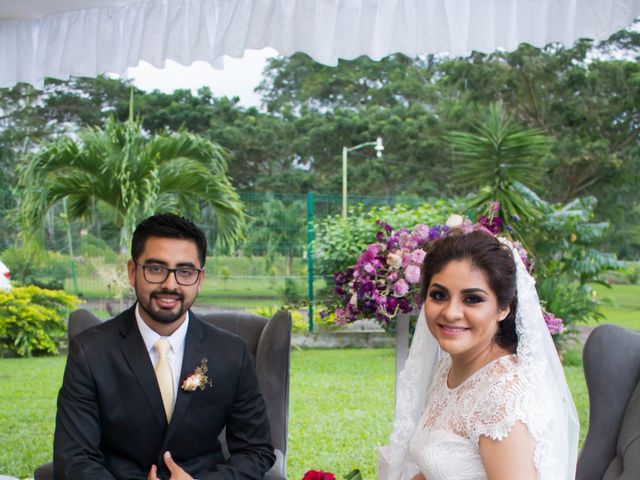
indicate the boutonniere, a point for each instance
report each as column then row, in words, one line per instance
column 198, row 379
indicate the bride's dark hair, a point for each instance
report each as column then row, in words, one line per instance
column 486, row 253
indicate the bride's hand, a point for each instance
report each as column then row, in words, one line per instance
column 419, row 476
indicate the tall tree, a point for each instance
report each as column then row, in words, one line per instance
column 133, row 175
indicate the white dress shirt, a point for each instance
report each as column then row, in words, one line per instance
column 176, row 353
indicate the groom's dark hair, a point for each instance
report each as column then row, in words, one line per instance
column 168, row 225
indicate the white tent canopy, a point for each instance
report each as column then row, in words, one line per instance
column 60, row 38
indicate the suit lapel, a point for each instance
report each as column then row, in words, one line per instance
column 193, row 355
column 136, row 355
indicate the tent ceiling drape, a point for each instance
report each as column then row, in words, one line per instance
column 59, row 38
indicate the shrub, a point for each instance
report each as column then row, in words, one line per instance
column 37, row 267
column 32, row 320
column 292, row 292
column 339, row 242
column 91, row 246
column 300, row 322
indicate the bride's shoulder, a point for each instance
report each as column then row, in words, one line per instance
column 501, row 397
column 503, row 375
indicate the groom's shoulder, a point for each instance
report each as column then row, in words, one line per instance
column 98, row 334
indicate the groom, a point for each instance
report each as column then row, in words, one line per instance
column 146, row 394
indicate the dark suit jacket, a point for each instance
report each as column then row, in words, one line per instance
column 111, row 422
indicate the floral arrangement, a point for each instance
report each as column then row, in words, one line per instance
column 198, row 379
column 554, row 324
column 385, row 280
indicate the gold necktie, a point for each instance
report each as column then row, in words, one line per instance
column 163, row 374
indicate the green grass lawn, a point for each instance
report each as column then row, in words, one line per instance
column 621, row 304
column 341, row 408
column 341, row 401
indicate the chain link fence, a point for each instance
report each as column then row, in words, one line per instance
column 272, row 267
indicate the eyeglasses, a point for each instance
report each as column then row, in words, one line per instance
column 185, row 276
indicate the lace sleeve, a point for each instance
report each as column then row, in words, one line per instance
column 500, row 402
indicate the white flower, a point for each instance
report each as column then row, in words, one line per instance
column 394, row 260
column 454, row 221
column 354, row 299
column 198, row 379
column 192, row 383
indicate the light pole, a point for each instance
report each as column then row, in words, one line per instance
column 345, row 150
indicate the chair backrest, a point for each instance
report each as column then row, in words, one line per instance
column 269, row 342
column 611, row 450
column 246, row 325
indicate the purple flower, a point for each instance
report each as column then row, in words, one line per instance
column 412, row 274
column 528, row 262
column 436, row 232
column 554, row 324
column 379, row 299
column 400, row 288
column 493, row 224
column 369, row 268
column 392, row 303
column 368, row 286
column 393, row 276
column 404, row 305
column 340, row 278
column 342, row 316
column 384, row 225
column 407, row 241
column 421, row 233
column 392, row 242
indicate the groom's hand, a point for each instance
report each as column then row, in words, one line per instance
column 177, row 473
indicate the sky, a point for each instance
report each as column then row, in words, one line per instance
column 239, row 77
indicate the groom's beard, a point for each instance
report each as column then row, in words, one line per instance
column 152, row 307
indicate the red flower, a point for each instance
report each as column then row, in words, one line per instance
column 318, row 475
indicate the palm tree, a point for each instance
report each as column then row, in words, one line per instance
column 502, row 160
column 279, row 227
column 134, row 175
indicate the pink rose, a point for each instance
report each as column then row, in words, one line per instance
column 417, row 256
column 400, row 288
column 412, row 274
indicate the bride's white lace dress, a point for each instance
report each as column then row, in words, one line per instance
column 444, row 445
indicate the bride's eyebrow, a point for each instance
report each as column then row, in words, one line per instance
column 438, row 286
column 473, row 290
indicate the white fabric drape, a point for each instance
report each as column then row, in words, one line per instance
column 111, row 38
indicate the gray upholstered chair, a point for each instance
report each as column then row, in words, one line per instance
column 611, row 450
column 269, row 341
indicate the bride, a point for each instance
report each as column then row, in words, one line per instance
column 483, row 394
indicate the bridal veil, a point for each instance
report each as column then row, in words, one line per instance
column 551, row 416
